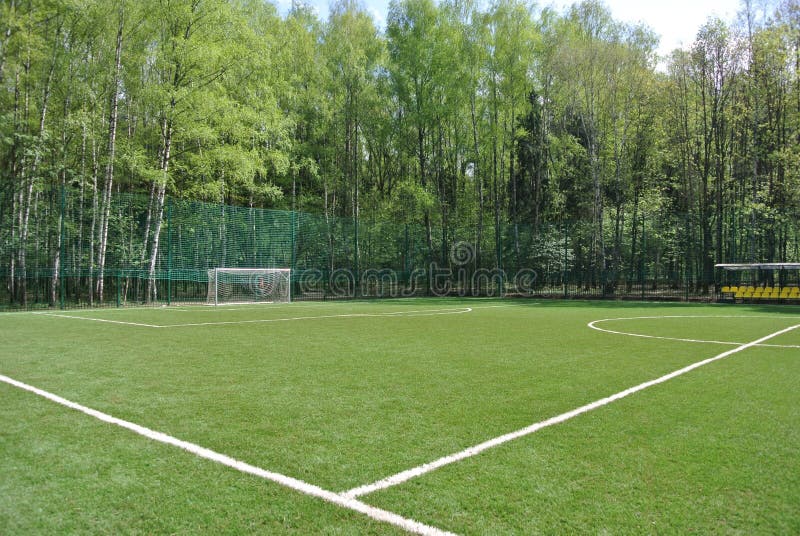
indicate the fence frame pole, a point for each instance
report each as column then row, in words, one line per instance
column 564, row 268
column 355, row 258
column 169, row 251
column 641, row 264
column 62, row 252
column 293, row 253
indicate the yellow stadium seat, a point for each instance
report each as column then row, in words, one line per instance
column 726, row 290
column 768, row 289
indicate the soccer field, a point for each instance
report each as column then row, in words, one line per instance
column 467, row 416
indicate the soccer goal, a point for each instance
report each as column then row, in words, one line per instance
column 248, row 285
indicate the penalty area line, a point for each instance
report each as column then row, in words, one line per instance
column 349, row 503
column 404, row 476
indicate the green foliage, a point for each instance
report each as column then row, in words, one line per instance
column 457, row 115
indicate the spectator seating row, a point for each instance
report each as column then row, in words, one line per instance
column 750, row 292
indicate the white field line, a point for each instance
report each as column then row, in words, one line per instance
column 250, row 307
column 497, row 441
column 594, row 326
column 91, row 319
column 506, row 305
column 422, row 312
column 258, row 306
column 306, row 305
column 377, row 514
column 428, row 312
column 183, row 307
column 271, row 306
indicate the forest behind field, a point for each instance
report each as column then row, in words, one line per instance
column 457, row 114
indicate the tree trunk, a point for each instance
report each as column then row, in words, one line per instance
column 28, row 200
column 4, row 44
column 111, row 151
column 95, row 210
column 14, row 171
column 57, row 260
column 476, row 176
column 160, row 197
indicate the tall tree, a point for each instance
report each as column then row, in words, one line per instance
column 411, row 30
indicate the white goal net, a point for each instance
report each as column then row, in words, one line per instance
column 248, row 285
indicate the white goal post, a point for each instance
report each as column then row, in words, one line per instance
column 248, row 285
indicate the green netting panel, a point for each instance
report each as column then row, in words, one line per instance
column 59, row 262
column 202, row 236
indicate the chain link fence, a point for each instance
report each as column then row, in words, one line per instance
column 75, row 251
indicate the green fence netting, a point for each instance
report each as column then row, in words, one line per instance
column 73, row 250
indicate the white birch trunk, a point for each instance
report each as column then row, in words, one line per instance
column 162, row 189
column 112, row 139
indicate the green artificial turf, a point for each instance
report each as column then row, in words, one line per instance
column 343, row 394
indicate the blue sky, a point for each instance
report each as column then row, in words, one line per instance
column 675, row 21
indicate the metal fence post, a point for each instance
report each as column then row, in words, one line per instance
column 642, row 267
column 564, row 265
column 406, row 260
column 499, row 245
column 169, row 251
column 687, row 260
column 62, row 252
column 355, row 259
column 293, row 255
